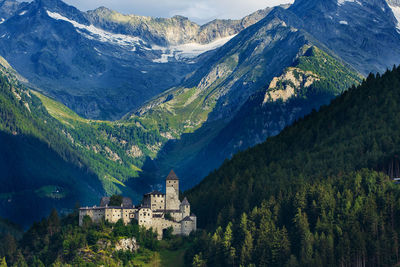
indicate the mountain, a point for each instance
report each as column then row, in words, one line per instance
column 320, row 193
column 174, row 31
column 264, row 78
column 53, row 158
column 312, row 80
column 228, row 90
column 40, row 170
column 102, row 64
column 9, row 8
column 363, row 33
column 357, row 130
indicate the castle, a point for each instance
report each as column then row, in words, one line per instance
column 157, row 211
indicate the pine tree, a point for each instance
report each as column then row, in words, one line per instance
column 53, row 223
column 198, row 261
column 3, row 262
column 247, row 250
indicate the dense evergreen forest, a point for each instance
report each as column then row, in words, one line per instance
column 346, row 220
column 316, row 204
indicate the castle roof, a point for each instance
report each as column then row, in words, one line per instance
column 187, row 219
column 126, row 202
column 172, row 176
column 185, row 202
column 154, row 193
column 104, row 201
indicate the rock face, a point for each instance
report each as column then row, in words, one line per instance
column 170, row 31
column 393, row 2
column 128, row 244
column 288, row 84
column 9, row 8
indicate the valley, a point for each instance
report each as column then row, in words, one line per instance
column 283, row 121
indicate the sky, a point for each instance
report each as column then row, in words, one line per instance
column 200, row 11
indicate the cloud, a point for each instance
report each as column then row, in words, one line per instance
column 200, row 11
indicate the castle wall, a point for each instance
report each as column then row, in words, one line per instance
column 185, row 210
column 159, row 224
column 176, row 215
column 172, row 201
column 172, row 183
column 114, row 214
column 157, row 202
column 96, row 214
column 145, row 217
column 186, row 227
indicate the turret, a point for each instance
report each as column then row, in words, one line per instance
column 185, row 208
column 172, row 192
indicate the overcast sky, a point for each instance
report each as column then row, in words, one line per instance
column 200, row 11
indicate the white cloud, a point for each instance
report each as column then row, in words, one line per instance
column 200, row 11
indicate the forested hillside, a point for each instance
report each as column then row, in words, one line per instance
column 303, row 197
column 346, row 220
column 51, row 157
column 39, row 168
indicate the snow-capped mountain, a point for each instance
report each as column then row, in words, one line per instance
column 361, row 32
column 266, row 88
column 101, row 63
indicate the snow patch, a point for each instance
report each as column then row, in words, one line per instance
column 178, row 52
column 342, row 2
column 99, row 34
column 2, row 20
column 188, row 51
column 396, row 13
column 343, row 22
column 23, row 12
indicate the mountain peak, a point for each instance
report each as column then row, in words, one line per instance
column 180, row 18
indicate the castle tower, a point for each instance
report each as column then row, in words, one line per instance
column 185, row 208
column 172, row 192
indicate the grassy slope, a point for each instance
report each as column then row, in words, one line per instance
column 105, row 144
column 184, row 110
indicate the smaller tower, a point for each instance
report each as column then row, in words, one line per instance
column 172, row 202
column 185, row 208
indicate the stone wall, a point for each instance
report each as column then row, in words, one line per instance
column 172, row 198
column 186, row 227
column 96, row 214
column 114, row 214
column 107, row 213
column 176, row 215
column 185, row 210
column 159, row 224
column 156, row 202
column 145, row 217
